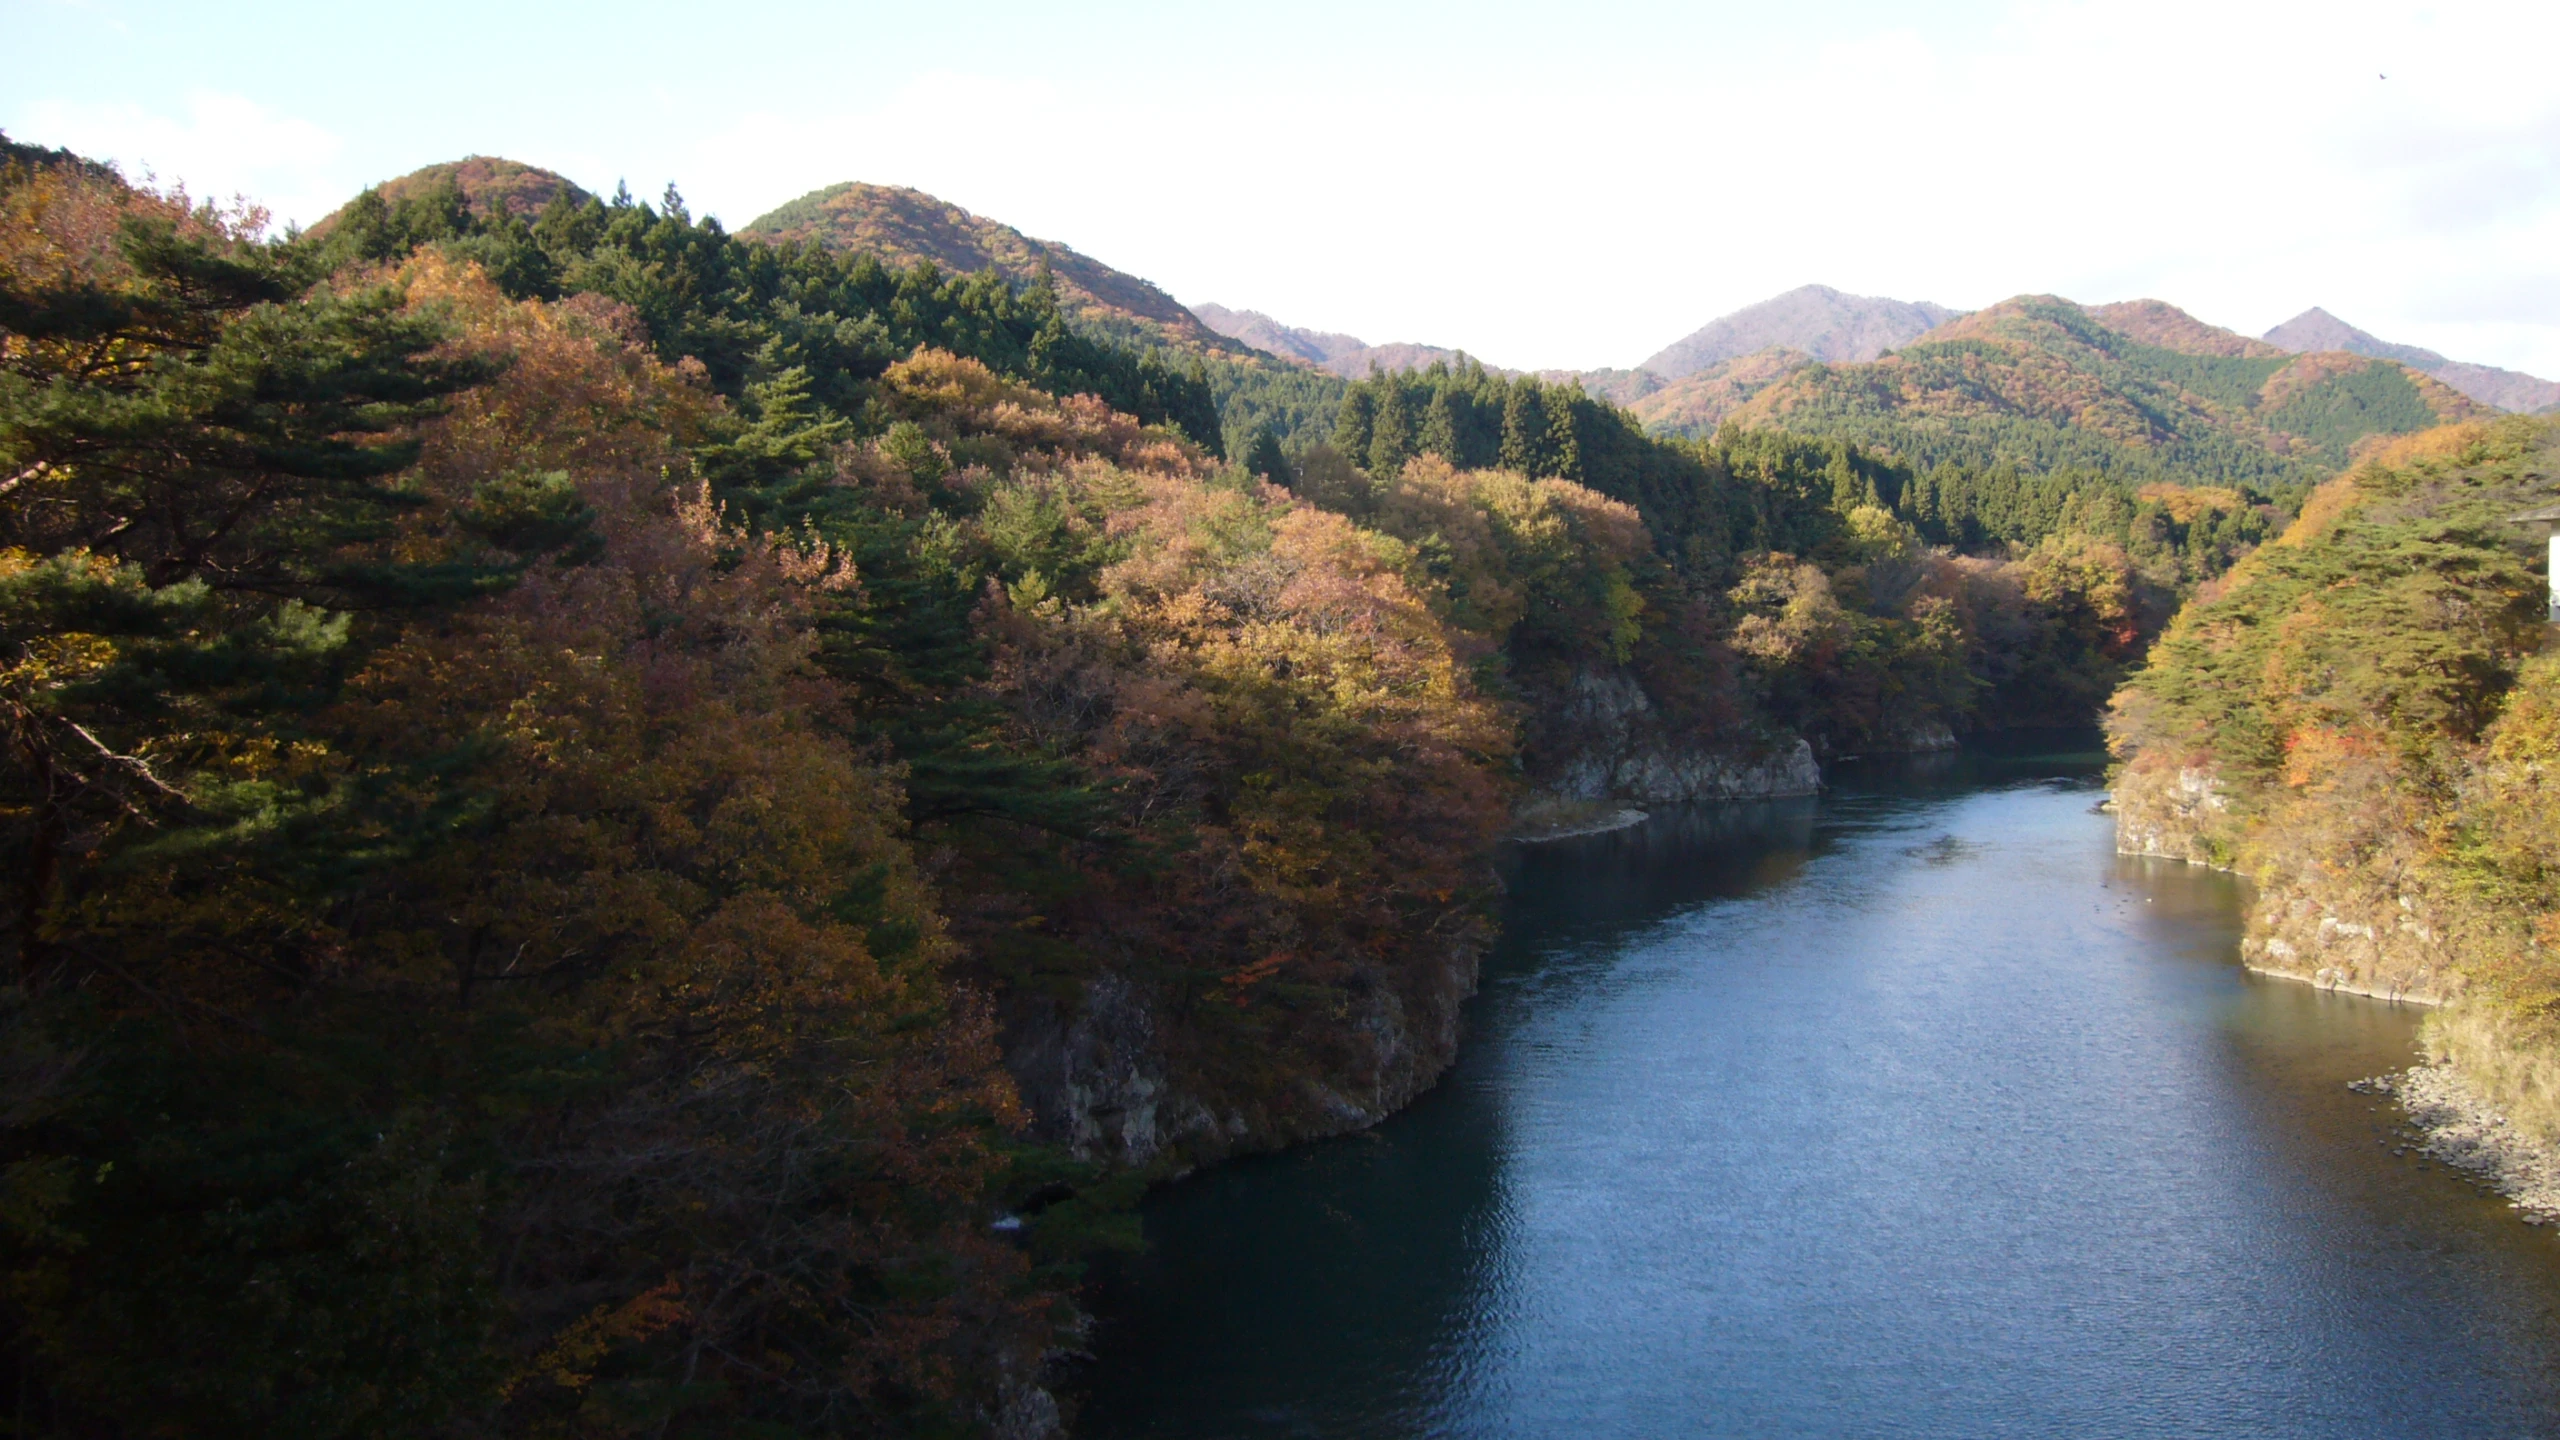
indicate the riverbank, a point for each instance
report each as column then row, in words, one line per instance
column 2334, row 929
column 1711, row 1163
column 1557, row 818
column 2451, row 1121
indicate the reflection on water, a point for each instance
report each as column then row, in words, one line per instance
column 1913, row 1112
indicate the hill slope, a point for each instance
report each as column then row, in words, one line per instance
column 2362, row 722
column 2512, row 390
column 904, row 226
column 2043, row 383
column 1816, row 319
column 1696, row 403
column 484, row 180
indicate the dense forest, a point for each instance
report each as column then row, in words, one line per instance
column 2364, row 720
column 2139, row 391
column 617, row 830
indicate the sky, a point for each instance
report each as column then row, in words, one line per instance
column 1542, row 185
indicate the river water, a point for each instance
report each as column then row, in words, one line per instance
column 1911, row 1111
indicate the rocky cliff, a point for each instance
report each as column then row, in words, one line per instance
column 1603, row 738
column 1130, row 1074
column 2334, row 916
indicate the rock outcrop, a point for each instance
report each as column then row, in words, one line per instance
column 1604, row 740
column 1115, row 1077
column 2176, row 812
column 2324, row 920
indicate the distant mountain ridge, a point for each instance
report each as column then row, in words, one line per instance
column 2135, row 389
column 2512, row 390
column 903, row 226
column 1348, row 356
column 1824, row 323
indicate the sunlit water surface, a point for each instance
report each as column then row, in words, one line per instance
column 1913, row 1111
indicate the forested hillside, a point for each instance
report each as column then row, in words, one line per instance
column 2140, row 392
column 594, row 803
column 490, row 187
column 618, row 829
column 1699, row 402
column 1866, row 605
column 902, row 227
column 2511, row 390
column 2365, row 721
column 542, row 810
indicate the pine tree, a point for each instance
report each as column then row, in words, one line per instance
column 1391, row 436
column 1443, row 430
column 1356, row 422
column 1264, row 457
column 1526, row 445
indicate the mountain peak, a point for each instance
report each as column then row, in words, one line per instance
column 484, row 181
column 903, row 226
column 2317, row 329
column 1827, row 324
column 2511, row 390
column 2164, row 326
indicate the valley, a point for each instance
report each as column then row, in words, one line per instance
column 670, row 829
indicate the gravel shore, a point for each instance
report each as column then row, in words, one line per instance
column 1564, row 821
column 2455, row 1125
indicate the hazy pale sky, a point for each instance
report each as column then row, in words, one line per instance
column 1542, row 184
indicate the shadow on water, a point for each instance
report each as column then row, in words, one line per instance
column 1911, row 1111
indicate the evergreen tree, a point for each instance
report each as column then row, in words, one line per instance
column 1526, row 444
column 1444, row 426
column 1263, row 457
column 1391, row 432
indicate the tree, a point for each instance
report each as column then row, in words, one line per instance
column 1264, row 458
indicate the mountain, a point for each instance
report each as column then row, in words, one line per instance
column 2158, row 323
column 2135, row 389
column 1348, row 356
column 2317, row 329
column 904, row 226
column 1619, row 387
column 484, row 181
column 1816, row 319
column 1696, row 403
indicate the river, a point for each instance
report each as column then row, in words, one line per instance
column 1911, row 1111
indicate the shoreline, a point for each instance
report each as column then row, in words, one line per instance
column 2448, row 1120
column 2386, row 996
column 2453, row 1123
column 1620, row 819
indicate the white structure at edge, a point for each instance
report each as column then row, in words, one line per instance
column 2548, row 517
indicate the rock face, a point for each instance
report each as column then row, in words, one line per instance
column 2337, row 926
column 1927, row 737
column 1116, row 1075
column 1607, row 741
column 1107, row 1076
column 1096, row 1077
column 2325, row 929
column 2173, row 812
